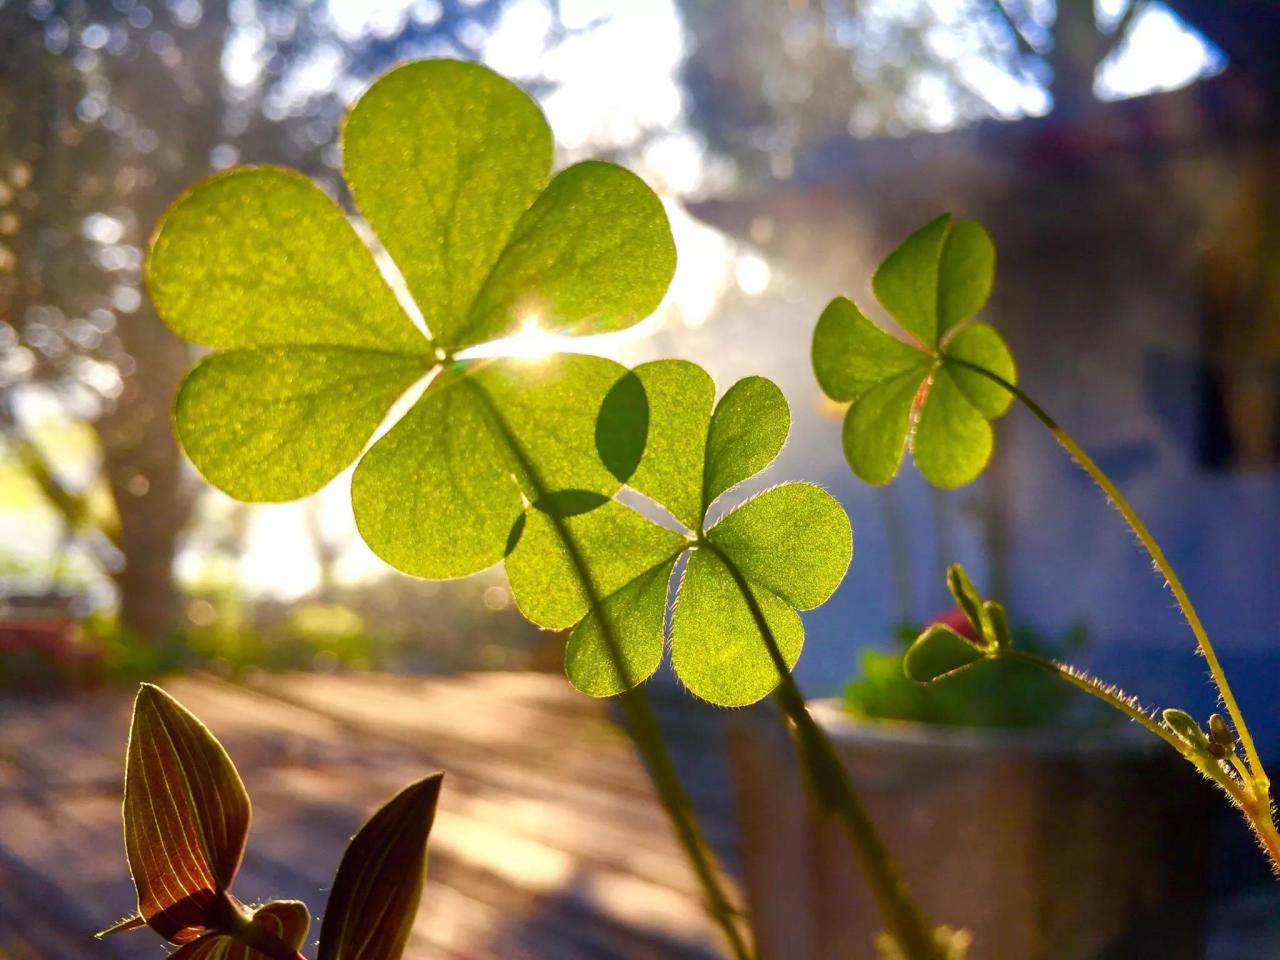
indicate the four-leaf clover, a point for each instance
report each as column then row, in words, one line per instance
column 448, row 163
column 932, row 285
column 605, row 571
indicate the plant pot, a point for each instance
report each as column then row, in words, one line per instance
column 1046, row 845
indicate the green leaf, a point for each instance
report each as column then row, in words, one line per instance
column 965, row 274
column 1187, row 730
column 1001, row 635
column 443, row 159
column 794, row 540
column 952, row 441
column 437, row 496
column 635, row 618
column 937, row 653
column 679, row 398
column 594, row 254
column 279, row 423
column 851, row 355
column 716, row 645
column 980, row 344
column 748, row 429
column 375, row 894
column 932, row 285
column 877, row 426
column 260, row 256
column 968, row 599
column 906, row 284
column 611, row 546
column 186, row 816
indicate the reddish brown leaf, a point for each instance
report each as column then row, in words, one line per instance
column 288, row 920
column 186, row 818
column 379, row 882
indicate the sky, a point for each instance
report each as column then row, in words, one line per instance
column 610, row 85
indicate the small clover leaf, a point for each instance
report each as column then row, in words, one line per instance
column 449, row 164
column 925, row 390
column 977, row 630
column 784, row 550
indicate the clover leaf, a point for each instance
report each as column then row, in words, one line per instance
column 924, row 388
column 606, row 571
column 942, row 650
column 448, row 163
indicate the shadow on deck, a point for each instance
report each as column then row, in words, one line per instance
column 549, row 841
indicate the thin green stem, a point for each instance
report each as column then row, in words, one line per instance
column 903, row 918
column 639, row 718
column 1258, row 775
column 1256, row 809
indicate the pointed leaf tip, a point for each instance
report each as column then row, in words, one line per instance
column 375, row 893
column 186, row 816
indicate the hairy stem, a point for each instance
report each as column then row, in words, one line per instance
column 640, row 720
column 904, row 920
column 1256, row 811
column 1260, row 782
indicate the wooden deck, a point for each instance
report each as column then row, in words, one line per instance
column 549, row 842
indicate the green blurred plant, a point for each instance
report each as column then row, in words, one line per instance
column 938, row 386
column 186, row 823
column 1008, row 695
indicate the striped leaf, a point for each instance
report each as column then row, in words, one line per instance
column 379, row 882
column 186, row 818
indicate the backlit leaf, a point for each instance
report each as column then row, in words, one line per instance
column 186, row 817
column 255, row 431
column 748, row 429
column 851, row 354
column 937, row 653
column 592, row 255
column 794, row 540
column 375, row 894
column 608, row 547
column 679, row 397
column 261, row 257
column 717, row 648
column 932, row 285
column 965, row 273
column 443, row 159
column 877, row 426
column 438, row 495
column 952, row 441
column 635, row 617
column 906, row 284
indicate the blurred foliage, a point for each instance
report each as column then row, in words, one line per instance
column 999, row 694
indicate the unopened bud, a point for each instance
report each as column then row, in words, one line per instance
column 1220, row 734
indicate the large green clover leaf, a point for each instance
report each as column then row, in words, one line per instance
column 606, row 571
column 925, row 390
column 449, row 164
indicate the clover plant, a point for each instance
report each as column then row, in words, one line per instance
column 186, row 823
column 937, row 382
column 316, row 336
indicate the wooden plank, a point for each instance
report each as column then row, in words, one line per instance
column 531, row 856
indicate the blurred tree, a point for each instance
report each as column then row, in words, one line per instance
column 769, row 80
column 108, row 110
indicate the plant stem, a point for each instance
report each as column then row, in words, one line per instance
column 1076, row 452
column 903, row 918
column 1256, row 810
column 640, row 720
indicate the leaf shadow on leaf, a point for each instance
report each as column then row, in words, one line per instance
column 622, row 426
column 570, row 503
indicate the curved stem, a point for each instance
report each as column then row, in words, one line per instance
column 1077, row 453
column 1256, row 809
column 640, row 720
column 903, row 918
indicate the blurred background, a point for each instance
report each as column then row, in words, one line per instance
column 1123, row 154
